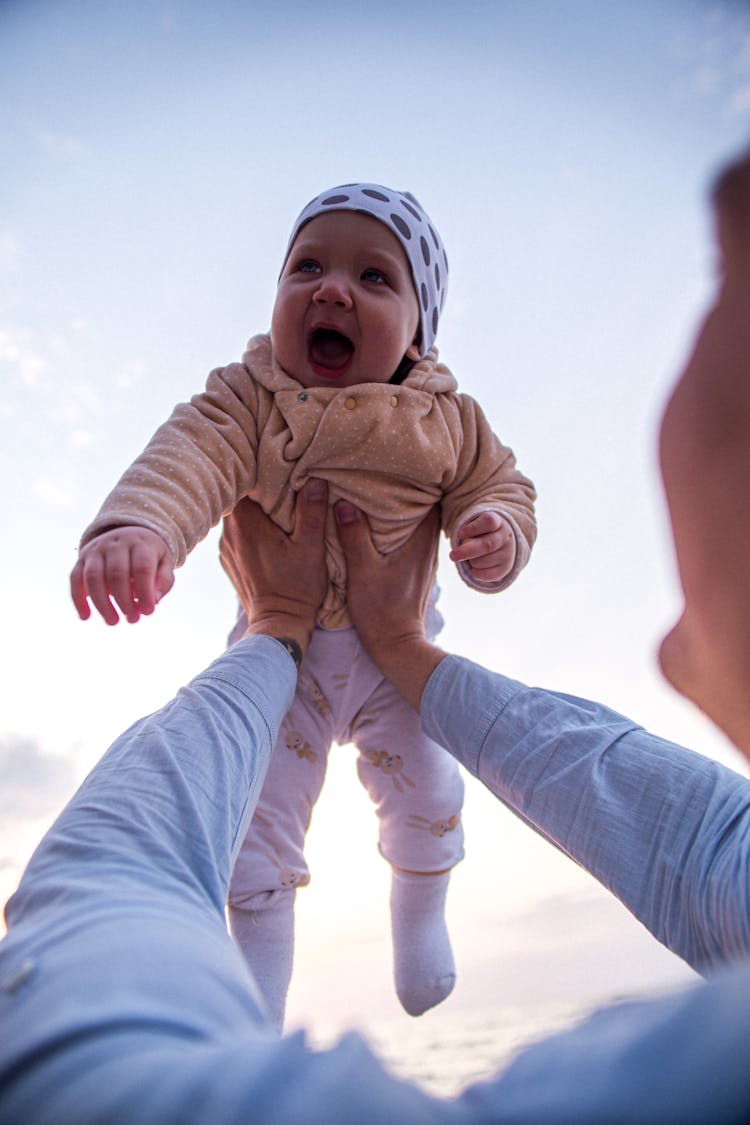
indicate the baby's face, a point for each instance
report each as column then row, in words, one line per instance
column 345, row 311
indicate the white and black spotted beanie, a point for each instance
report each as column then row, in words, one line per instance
column 403, row 215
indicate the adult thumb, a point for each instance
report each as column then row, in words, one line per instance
column 354, row 532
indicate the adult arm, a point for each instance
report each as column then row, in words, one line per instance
column 674, row 1060
column 678, row 1059
column 666, row 830
column 122, row 993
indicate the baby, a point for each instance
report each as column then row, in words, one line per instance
column 347, row 387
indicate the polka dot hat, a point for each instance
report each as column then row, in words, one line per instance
column 403, row 215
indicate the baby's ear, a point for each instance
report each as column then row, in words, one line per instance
column 413, row 352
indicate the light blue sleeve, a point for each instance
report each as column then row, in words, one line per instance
column 668, row 832
column 122, row 996
column 665, row 829
column 682, row 1060
column 166, row 808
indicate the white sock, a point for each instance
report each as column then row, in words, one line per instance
column 265, row 935
column 423, row 965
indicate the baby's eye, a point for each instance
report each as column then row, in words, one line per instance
column 308, row 265
column 374, row 275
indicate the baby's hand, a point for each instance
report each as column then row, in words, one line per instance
column 488, row 544
column 131, row 566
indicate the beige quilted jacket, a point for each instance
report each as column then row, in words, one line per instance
column 394, row 451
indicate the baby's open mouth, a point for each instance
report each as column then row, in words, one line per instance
column 330, row 349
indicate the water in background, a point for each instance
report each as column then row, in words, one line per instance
column 465, row 1047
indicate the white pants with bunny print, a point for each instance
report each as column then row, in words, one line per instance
column 414, row 784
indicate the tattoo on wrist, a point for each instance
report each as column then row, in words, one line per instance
column 292, row 648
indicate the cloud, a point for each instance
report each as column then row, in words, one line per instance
column 55, row 487
column 740, row 102
column 81, row 439
column 130, row 375
column 33, row 782
column 8, row 249
column 716, row 52
column 71, row 405
column 583, row 946
column 80, row 403
column 706, row 79
column 34, row 787
column 560, row 920
column 80, row 400
column 66, row 146
column 20, row 358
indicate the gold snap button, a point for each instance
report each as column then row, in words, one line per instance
column 350, row 403
column 394, row 400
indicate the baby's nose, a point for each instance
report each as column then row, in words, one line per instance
column 334, row 289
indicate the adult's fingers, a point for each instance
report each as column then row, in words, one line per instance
column 354, row 534
column 311, row 511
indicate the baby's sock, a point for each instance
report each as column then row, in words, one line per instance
column 266, row 938
column 423, row 964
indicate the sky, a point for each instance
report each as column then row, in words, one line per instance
column 154, row 157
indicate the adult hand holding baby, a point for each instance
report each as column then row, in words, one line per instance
column 280, row 579
column 391, row 625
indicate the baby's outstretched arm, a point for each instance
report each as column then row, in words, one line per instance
column 488, row 545
column 128, row 567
